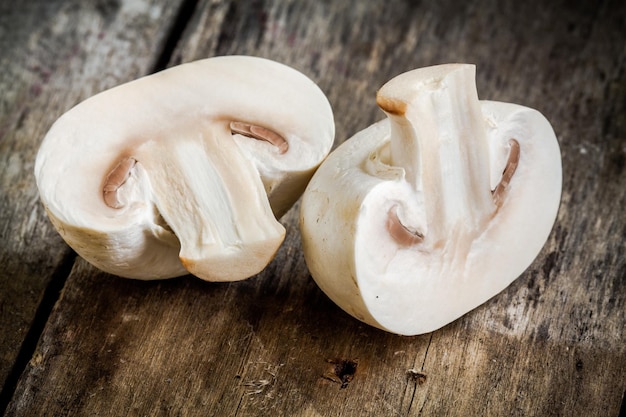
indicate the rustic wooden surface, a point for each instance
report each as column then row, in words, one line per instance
column 76, row 341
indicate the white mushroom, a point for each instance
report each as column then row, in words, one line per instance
column 423, row 216
column 193, row 162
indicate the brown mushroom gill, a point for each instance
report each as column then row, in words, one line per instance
column 115, row 179
column 260, row 133
column 510, row 168
column 118, row 176
column 399, row 232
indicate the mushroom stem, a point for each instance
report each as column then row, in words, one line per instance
column 215, row 203
column 438, row 137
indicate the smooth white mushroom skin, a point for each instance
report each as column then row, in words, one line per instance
column 185, row 170
column 427, row 214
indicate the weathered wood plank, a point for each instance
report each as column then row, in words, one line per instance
column 550, row 344
column 53, row 54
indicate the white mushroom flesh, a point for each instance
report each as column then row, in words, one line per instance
column 423, row 216
column 150, row 180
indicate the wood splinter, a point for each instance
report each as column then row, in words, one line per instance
column 260, row 133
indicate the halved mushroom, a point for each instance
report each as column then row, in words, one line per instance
column 193, row 162
column 425, row 215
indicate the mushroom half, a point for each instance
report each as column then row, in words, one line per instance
column 425, row 215
column 185, row 170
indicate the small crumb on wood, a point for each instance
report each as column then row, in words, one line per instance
column 257, row 387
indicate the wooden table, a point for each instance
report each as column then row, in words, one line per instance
column 76, row 341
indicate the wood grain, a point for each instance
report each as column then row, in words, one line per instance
column 53, row 55
column 552, row 344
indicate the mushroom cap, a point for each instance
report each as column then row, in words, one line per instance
column 416, row 288
column 195, row 187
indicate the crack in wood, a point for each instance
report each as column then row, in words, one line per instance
column 181, row 21
column 50, row 297
column 419, row 377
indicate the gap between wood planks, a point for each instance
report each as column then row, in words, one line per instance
column 50, row 297
column 182, row 19
column 62, row 272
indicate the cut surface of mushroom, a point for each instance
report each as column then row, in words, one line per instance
column 185, row 170
column 427, row 214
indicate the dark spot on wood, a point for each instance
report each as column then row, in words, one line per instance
column 542, row 333
column 36, row 89
column 550, row 264
column 416, row 376
column 579, row 365
column 22, row 118
column 560, row 234
column 616, row 162
column 534, row 289
column 571, row 27
column 506, row 322
column 108, row 8
column 343, row 371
